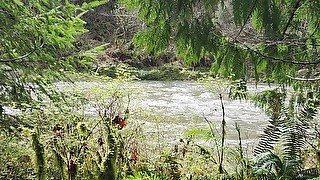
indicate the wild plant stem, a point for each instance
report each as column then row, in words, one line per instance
column 223, row 125
column 213, row 136
column 240, row 150
column 39, row 155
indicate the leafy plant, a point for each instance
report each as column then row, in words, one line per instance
column 292, row 128
column 37, row 47
column 144, row 176
column 270, row 166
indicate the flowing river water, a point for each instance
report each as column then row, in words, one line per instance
column 165, row 110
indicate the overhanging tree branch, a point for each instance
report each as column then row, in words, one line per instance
column 293, row 12
column 284, row 60
column 23, row 56
column 247, row 19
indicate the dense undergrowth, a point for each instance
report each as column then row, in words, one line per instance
column 46, row 134
column 123, row 61
column 166, row 72
column 63, row 141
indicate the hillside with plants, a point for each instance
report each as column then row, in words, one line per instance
column 52, row 129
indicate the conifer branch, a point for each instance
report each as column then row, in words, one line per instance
column 23, row 56
column 293, row 12
column 315, row 29
column 247, row 19
column 284, row 60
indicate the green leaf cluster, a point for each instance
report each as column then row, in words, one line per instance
column 37, row 42
column 265, row 40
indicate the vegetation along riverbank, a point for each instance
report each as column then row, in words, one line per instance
column 182, row 89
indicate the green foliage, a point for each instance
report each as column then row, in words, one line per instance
column 172, row 166
column 93, row 4
column 266, row 16
column 270, row 166
column 238, row 90
column 275, row 38
column 15, row 162
column 292, row 127
column 39, row 156
column 142, row 176
column 88, row 58
column 70, row 145
column 242, row 10
column 37, row 46
column 166, row 72
column 235, row 165
column 199, row 133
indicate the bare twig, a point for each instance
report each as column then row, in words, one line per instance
column 304, row 79
column 223, row 124
column 118, row 15
column 243, row 164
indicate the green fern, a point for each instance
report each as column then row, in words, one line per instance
column 292, row 129
column 270, row 166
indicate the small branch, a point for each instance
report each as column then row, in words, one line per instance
column 240, row 150
column 23, row 56
column 118, row 15
column 223, row 124
column 315, row 30
column 279, row 59
column 247, row 19
column 87, row 137
column 303, row 79
column 294, row 10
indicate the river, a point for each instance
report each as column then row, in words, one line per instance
column 166, row 110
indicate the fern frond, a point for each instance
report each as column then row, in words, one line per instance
column 308, row 173
column 293, row 129
column 296, row 131
column 271, row 136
